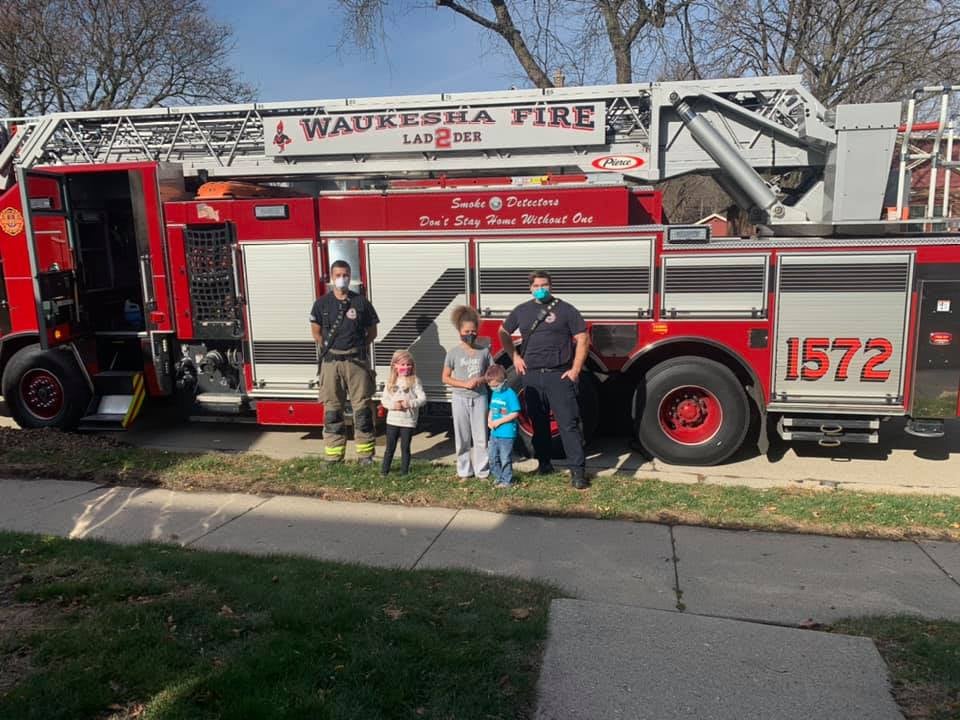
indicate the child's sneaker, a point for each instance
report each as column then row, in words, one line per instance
column 501, row 485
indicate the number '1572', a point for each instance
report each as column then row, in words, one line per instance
column 810, row 358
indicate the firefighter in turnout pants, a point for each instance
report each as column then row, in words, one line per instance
column 549, row 368
column 344, row 323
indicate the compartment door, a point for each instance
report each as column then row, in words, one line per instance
column 51, row 247
column 937, row 383
column 602, row 277
column 4, row 305
column 281, row 286
column 414, row 286
column 841, row 328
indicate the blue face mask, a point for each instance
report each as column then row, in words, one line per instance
column 541, row 293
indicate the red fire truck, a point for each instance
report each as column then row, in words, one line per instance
column 175, row 253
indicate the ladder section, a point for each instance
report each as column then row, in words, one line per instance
column 930, row 154
column 633, row 130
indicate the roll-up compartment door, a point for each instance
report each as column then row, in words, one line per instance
column 714, row 286
column 281, row 287
column 414, row 286
column 841, row 327
column 602, row 277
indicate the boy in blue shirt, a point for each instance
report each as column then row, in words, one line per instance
column 502, row 421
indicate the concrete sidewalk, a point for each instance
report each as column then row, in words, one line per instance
column 757, row 577
column 609, row 661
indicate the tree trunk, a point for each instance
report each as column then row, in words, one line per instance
column 624, row 63
column 505, row 28
column 536, row 74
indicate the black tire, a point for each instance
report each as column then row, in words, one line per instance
column 45, row 388
column 588, row 398
column 691, row 411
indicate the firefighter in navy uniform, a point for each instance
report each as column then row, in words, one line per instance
column 549, row 367
column 344, row 323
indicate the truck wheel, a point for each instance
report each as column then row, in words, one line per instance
column 588, row 398
column 691, row 411
column 45, row 389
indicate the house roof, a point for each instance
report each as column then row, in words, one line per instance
column 711, row 216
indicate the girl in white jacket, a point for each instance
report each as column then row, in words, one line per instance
column 402, row 397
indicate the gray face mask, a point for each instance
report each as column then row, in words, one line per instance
column 342, row 282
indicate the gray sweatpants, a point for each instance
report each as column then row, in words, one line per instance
column 470, row 435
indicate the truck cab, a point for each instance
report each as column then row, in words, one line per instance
column 86, row 307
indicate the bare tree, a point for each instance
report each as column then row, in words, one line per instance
column 586, row 38
column 846, row 50
column 65, row 55
column 20, row 85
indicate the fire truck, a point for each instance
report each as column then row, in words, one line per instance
column 175, row 252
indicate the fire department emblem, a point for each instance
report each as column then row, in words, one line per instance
column 281, row 139
column 495, row 203
column 352, row 314
column 11, row 221
column 550, row 318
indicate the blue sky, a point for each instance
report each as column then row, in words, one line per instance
column 288, row 50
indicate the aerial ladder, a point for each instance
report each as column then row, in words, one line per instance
column 748, row 133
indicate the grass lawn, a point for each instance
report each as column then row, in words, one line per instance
column 834, row 512
column 924, row 661
column 92, row 630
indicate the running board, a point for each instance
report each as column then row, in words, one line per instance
column 119, row 397
column 830, row 432
column 219, row 405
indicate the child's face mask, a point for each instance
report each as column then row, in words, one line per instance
column 404, row 370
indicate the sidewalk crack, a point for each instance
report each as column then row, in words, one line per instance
column 437, row 537
column 227, row 522
column 681, row 606
column 956, row 581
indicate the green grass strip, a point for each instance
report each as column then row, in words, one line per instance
column 835, row 512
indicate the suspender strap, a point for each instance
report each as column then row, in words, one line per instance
column 332, row 332
column 546, row 310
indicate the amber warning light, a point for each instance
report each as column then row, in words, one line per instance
column 941, row 338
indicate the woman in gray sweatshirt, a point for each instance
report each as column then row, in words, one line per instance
column 463, row 370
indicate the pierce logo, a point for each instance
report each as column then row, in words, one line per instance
column 617, row 163
column 11, row 221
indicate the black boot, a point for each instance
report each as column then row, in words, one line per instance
column 545, row 468
column 578, row 480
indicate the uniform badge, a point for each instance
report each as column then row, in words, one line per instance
column 352, row 313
